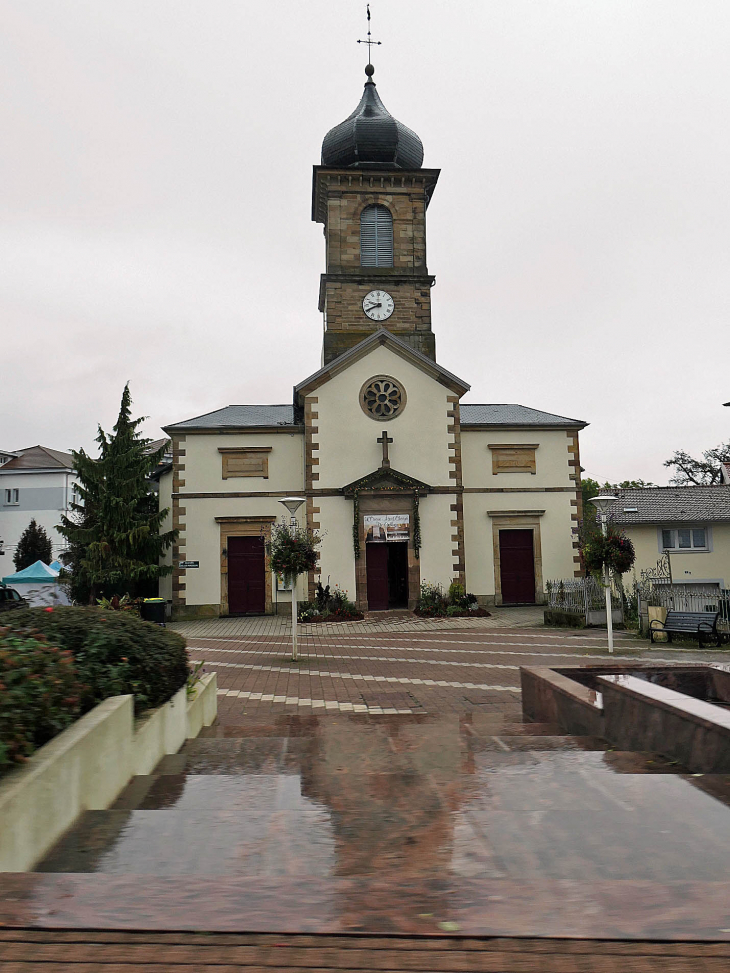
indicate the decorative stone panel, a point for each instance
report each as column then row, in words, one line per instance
column 517, row 458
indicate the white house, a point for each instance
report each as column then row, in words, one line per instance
column 35, row 484
column 689, row 525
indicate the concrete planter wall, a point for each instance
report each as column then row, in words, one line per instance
column 594, row 617
column 88, row 765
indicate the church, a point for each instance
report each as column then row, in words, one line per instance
column 407, row 484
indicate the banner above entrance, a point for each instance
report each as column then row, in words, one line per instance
column 382, row 528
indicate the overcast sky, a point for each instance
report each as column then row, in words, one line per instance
column 155, row 185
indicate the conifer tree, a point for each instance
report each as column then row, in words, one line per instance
column 114, row 535
column 34, row 545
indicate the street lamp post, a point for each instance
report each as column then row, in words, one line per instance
column 602, row 504
column 293, row 504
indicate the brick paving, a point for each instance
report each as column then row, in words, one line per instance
column 446, row 665
column 27, row 951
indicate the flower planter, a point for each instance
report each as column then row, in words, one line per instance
column 87, row 766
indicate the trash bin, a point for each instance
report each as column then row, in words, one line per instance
column 153, row 610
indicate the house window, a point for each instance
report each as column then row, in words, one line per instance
column 12, row 497
column 376, row 237
column 245, row 461
column 516, row 458
column 684, row 539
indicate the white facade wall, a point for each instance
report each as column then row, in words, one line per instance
column 688, row 567
column 203, row 463
column 337, row 559
column 165, row 497
column 347, row 437
column 436, row 556
column 43, row 496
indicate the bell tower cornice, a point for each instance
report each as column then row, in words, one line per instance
column 329, row 180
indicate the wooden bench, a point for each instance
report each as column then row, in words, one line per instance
column 699, row 625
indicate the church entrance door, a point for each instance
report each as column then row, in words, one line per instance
column 517, row 567
column 246, row 575
column 387, row 575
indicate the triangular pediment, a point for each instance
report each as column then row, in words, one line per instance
column 386, row 479
column 369, row 344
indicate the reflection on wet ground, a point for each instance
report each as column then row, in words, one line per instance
column 431, row 801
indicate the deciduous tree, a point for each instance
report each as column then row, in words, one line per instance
column 698, row 472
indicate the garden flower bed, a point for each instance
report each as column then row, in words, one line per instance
column 454, row 603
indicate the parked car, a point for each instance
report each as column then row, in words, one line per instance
column 9, row 599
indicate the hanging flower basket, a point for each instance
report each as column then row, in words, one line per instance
column 614, row 551
column 292, row 551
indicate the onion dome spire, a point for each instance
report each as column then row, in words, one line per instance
column 371, row 138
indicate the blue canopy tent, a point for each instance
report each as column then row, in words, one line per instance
column 38, row 584
column 38, row 573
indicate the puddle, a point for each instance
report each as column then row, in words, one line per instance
column 430, row 799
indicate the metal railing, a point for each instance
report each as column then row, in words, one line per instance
column 692, row 598
column 580, row 595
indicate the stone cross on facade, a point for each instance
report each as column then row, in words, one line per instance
column 385, row 439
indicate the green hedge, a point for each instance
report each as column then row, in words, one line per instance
column 40, row 694
column 115, row 653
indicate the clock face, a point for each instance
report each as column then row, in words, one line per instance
column 378, row 305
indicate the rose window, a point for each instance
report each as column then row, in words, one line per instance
column 382, row 398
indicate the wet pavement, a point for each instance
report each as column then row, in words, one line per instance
column 408, row 824
column 456, row 819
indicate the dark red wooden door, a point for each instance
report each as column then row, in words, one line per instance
column 517, row 567
column 246, row 575
column 377, row 569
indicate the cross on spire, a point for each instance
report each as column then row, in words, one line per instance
column 370, row 43
column 385, row 439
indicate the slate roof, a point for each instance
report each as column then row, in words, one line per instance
column 39, row 458
column 239, row 417
column 371, row 137
column 672, row 505
column 266, row 416
column 511, row 414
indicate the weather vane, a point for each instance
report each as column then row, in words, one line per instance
column 370, row 42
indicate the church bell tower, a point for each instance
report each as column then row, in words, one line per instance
column 371, row 194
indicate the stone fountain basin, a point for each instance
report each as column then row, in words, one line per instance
column 680, row 711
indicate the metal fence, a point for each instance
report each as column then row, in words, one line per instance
column 692, row 598
column 580, row 595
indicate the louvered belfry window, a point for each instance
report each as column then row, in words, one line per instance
column 376, row 237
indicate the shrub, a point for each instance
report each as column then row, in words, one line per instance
column 457, row 603
column 40, row 694
column 457, row 594
column 329, row 604
column 432, row 600
column 322, row 598
column 114, row 652
column 123, row 604
column 307, row 611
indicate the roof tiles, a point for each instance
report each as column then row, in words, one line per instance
column 672, row 505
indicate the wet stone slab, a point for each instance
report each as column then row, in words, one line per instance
column 444, row 819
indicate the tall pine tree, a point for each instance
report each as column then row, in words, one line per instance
column 114, row 535
column 34, row 545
